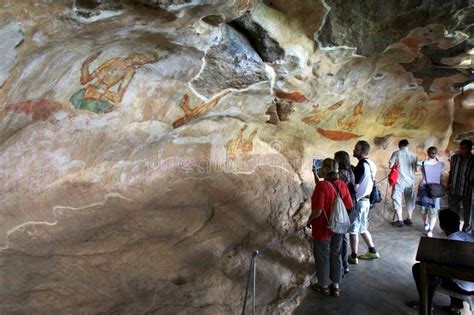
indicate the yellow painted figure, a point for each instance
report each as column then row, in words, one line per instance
column 106, row 85
column 201, row 108
column 417, row 117
column 395, row 113
column 239, row 145
column 351, row 122
column 317, row 114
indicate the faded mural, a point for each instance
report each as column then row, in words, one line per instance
column 99, row 172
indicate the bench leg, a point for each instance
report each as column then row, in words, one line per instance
column 425, row 309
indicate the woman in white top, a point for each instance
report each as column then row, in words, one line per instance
column 431, row 169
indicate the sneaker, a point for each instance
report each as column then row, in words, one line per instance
column 369, row 256
column 408, row 222
column 426, row 227
column 353, row 261
column 346, row 270
column 429, row 233
column 398, row 224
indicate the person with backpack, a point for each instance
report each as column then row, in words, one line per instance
column 347, row 176
column 328, row 226
column 364, row 184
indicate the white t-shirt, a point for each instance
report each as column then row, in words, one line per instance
column 463, row 237
column 407, row 166
column 364, row 177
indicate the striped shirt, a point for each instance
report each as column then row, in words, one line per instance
column 460, row 175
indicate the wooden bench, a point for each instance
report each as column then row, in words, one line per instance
column 445, row 258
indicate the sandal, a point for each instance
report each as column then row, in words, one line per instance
column 451, row 310
column 336, row 292
column 322, row 290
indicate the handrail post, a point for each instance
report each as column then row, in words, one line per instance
column 254, row 294
column 248, row 285
column 253, row 269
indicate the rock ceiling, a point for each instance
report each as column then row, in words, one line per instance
column 147, row 147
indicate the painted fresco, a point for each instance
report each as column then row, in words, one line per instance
column 349, row 123
column 291, row 96
column 337, row 135
column 40, row 109
column 394, row 114
column 105, row 86
column 240, row 146
column 201, row 108
column 317, row 114
column 417, row 117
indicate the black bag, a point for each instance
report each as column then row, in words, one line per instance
column 375, row 195
column 433, row 190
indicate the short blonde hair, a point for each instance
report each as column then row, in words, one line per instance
column 330, row 169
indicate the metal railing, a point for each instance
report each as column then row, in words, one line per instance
column 252, row 276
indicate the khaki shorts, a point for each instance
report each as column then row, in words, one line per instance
column 399, row 191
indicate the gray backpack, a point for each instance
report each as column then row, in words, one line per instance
column 339, row 222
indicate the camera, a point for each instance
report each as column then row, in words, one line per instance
column 317, row 164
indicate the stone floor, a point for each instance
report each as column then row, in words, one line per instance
column 379, row 286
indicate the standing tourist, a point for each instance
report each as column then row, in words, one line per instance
column 364, row 174
column 405, row 185
column 460, row 183
column 347, row 176
column 431, row 169
column 326, row 244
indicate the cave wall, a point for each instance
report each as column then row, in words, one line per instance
column 147, row 147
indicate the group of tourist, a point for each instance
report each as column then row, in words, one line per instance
column 354, row 186
column 459, row 186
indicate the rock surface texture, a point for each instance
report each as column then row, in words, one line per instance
column 148, row 147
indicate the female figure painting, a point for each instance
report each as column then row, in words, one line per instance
column 106, row 85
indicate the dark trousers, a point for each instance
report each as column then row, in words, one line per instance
column 344, row 247
column 327, row 257
column 433, row 281
column 455, row 203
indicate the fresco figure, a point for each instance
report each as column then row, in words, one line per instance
column 317, row 114
column 191, row 113
column 417, row 117
column 240, row 146
column 351, row 122
column 394, row 114
column 107, row 84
